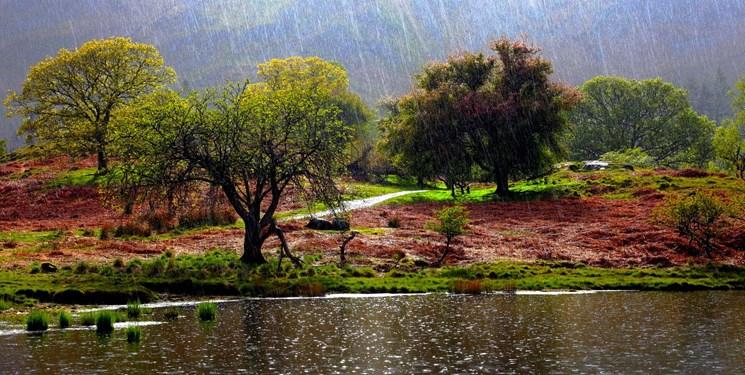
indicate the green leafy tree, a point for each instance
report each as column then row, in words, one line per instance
column 729, row 147
column 501, row 112
column 616, row 114
column 632, row 156
column 68, row 100
column 450, row 222
column 251, row 140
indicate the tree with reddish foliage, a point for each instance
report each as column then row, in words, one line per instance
column 500, row 112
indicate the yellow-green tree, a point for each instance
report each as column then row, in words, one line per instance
column 67, row 100
column 253, row 141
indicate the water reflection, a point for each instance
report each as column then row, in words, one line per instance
column 595, row 333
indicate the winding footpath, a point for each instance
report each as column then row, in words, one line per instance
column 357, row 204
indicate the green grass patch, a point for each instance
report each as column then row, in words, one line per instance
column 134, row 310
column 134, row 334
column 37, row 321
column 30, row 237
column 76, row 177
column 105, row 322
column 65, row 319
column 207, row 311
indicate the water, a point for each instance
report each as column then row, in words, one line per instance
column 687, row 333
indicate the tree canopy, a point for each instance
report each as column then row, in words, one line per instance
column 616, row 114
column 251, row 140
column 501, row 113
column 68, row 100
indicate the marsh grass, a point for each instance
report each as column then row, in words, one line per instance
column 105, row 322
column 37, row 321
column 207, row 311
column 134, row 334
column 468, row 286
column 65, row 319
column 134, row 310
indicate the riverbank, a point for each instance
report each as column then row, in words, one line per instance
column 220, row 273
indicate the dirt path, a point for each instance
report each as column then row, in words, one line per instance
column 356, row 204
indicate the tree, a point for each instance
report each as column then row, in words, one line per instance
column 616, row 114
column 68, row 100
column 500, row 112
column 451, row 223
column 251, row 140
column 729, row 147
column 3, row 149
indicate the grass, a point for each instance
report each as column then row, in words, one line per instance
column 134, row 310
column 30, row 237
column 207, row 311
column 37, row 321
column 65, row 319
column 134, row 333
column 76, row 177
column 105, row 322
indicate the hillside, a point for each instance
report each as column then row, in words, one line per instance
column 382, row 43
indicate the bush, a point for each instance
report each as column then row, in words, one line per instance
column 105, row 322
column 65, row 319
column 697, row 216
column 207, row 311
column 106, row 232
column 133, row 228
column 134, row 333
column 134, row 310
column 450, row 222
column 394, row 222
column 37, row 321
column 203, row 215
column 88, row 319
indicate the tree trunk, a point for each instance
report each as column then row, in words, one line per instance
column 444, row 253
column 252, row 247
column 103, row 164
column 503, row 185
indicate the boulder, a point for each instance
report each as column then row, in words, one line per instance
column 47, row 267
column 336, row 224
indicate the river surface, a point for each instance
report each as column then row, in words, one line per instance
column 624, row 333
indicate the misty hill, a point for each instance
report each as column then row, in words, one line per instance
column 699, row 44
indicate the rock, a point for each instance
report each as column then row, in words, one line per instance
column 336, row 224
column 595, row 165
column 47, row 267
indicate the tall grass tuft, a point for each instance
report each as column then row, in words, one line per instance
column 88, row 319
column 105, row 322
column 65, row 319
column 134, row 333
column 207, row 311
column 4, row 305
column 467, row 286
column 37, row 321
column 134, row 310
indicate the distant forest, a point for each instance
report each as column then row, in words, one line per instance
column 695, row 44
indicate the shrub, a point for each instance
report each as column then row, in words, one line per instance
column 394, row 222
column 65, row 319
column 133, row 228
column 118, row 263
column 207, row 311
column 133, row 334
column 37, row 321
column 450, row 222
column 4, row 305
column 202, row 215
column 80, row 268
column 697, row 216
column 88, row 319
column 105, row 322
column 134, row 310
column 106, row 232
